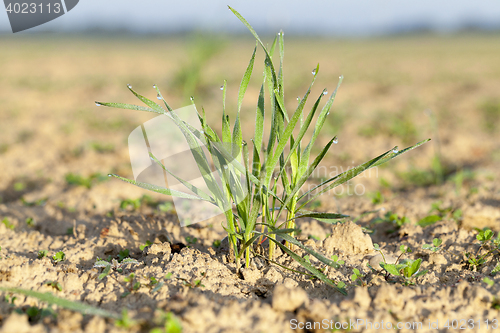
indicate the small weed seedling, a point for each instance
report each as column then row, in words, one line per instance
column 58, row 257
column 145, row 245
column 435, row 246
column 42, row 253
column 170, row 323
column 7, row 223
column 193, row 283
column 489, row 281
column 357, row 276
column 88, row 182
column 377, row 198
column 488, row 247
column 393, row 218
column 336, row 262
column 133, row 285
column 408, row 269
column 54, row 284
column 114, row 264
column 191, row 240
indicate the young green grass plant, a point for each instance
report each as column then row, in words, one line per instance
column 250, row 175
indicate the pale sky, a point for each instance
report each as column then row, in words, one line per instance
column 331, row 17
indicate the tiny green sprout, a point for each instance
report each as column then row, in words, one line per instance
column 314, row 237
column 496, row 269
column 10, row 299
column 129, row 278
column 168, row 276
column 124, row 321
column 133, row 203
column 408, row 269
column 429, row 220
column 307, row 259
column 488, row 281
column 123, row 254
column 337, row 262
column 114, row 264
column 19, row 186
column 7, row 223
column 54, row 284
column 191, row 240
column 357, row 276
column 59, row 256
column 35, row 314
column 484, row 235
column 377, row 198
column 69, row 231
column 404, row 249
column 42, row 253
column 435, row 246
column 148, row 243
column 393, row 218
column 166, row 207
column 171, row 324
column 216, row 243
column 30, row 222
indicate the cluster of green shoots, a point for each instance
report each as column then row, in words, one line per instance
column 260, row 168
column 489, row 246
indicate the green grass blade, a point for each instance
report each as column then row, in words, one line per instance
column 320, row 216
column 351, row 173
column 189, row 186
column 295, row 242
column 305, row 125
column 259, row 120
column 319, row 125
column 129, row 107
column 63, row 303
column 307, row 173
column 159, row 189
column 283, row 140
column 161, row 97
column 246, row 80
column 148, row 102
column 317, row 273
column 400, row 152
column 281, row 42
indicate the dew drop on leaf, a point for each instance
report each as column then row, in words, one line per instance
column 325, row 92
column 335, row 140
column 314, row 71
column 129, row 86
column 221, row 87
column 395, row 150
column 158, row 96
column 98, row 104
column 154, row 86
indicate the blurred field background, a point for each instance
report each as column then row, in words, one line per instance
column 55, row 143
